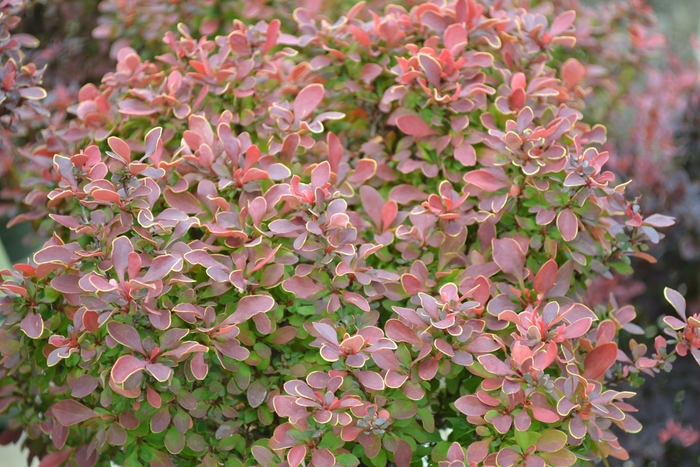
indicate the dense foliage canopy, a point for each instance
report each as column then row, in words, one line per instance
column 329, row 242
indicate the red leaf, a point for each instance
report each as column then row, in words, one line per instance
column 69, row 412
column 414, row 126
column 120, row 148
column 399, row 332
column 599, row 360
column 199, row 366
column 544, row 415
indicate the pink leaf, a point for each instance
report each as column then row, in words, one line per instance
column 414, row 126
column 562, row 22
column 403, row 454
column 296, row 456
column 399, row 332
column 485, row 180
column 308, row 100
column 273, row 30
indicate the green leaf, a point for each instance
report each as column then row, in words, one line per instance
column 525, row 439
column 380, row 459
column 331, row 442
column 346, row 460
column 428, row 419
column 174, row 441
column 132, row 460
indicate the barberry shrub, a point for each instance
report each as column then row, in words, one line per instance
column 365, row 243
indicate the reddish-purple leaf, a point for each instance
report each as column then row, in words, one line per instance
column 676, row 300
column 125, row 366
column 250, row 306
column 161, row 267
column 323, row 458
column 56, row 458
column 69, row 412
column 32, row 325
column 494, row 365
column 370, row 379
column 403, row 454
column 546, row 277
column 567, row 223
column 302, row 287
column 508, row 256
column 126, row 335
column 471, row 405
column 84, row 386
column 121, row 248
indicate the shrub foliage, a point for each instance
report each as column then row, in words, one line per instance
column 364, row 241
